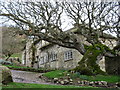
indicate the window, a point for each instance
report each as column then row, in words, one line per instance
column 46, row 59
column 42, row 60
column 68, row 55
column 53, row 56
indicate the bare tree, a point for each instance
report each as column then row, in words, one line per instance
column 44, row 20
column 11, row 41
column 94, row 18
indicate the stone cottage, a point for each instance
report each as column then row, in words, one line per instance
column 53, row 56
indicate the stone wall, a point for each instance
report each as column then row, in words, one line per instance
column 27, row 54
column 59, row 62
column 112, row 65
column 24, row 57
column 44, row 49
column 109, row 42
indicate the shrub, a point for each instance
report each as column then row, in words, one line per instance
column 83, row 70
column 3, row 62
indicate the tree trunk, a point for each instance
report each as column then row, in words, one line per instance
column 8, row 56
column 33, row 55
column 88, row 65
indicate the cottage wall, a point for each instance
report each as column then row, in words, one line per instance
column 59, row 62
column 23, row 56
column 27, row 54
column 44, row 50
column 109, row 42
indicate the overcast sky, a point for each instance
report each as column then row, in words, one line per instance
column 67, row 21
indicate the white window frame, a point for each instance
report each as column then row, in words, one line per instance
column 68, row 55
column 53, row 57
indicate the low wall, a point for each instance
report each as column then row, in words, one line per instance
column 112, row 65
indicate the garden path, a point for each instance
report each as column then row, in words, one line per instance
column 27, row 77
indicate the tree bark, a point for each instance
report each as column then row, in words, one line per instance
column 88, row 65
column 8, row 56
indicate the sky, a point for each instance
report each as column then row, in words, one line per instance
column 67, row 21
column 67, row 0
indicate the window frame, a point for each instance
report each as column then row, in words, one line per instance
column 68, row 55
column 52, row 57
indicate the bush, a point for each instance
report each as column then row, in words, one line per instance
column 3, row 62
column 83, row 70
column 6, row 75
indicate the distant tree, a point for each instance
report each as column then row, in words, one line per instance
column 44, row 20
column 11, row 41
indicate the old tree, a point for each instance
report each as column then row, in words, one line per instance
column 44, row 20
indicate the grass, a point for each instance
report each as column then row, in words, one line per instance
column 14, row 66
column 17, row 55
column 28, row 85
column 63, row 73
column 54, row 74
column 23, row 68
column 108, row 78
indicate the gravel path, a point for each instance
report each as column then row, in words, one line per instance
column 27, row 77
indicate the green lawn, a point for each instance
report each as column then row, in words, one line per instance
column 23, row 68
column 17, row 55
column 108, row 78
column 14, row 66
column 28, row 85
column 55, row 74
column 62, row 73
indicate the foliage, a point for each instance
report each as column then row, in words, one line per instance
column 12, row 42
column 5, row 74
column 88, row 66
column 19, row 55
column 16, row 55
column 28, row 85
column 3, row 62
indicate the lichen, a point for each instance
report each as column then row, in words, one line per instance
column 88, row 63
